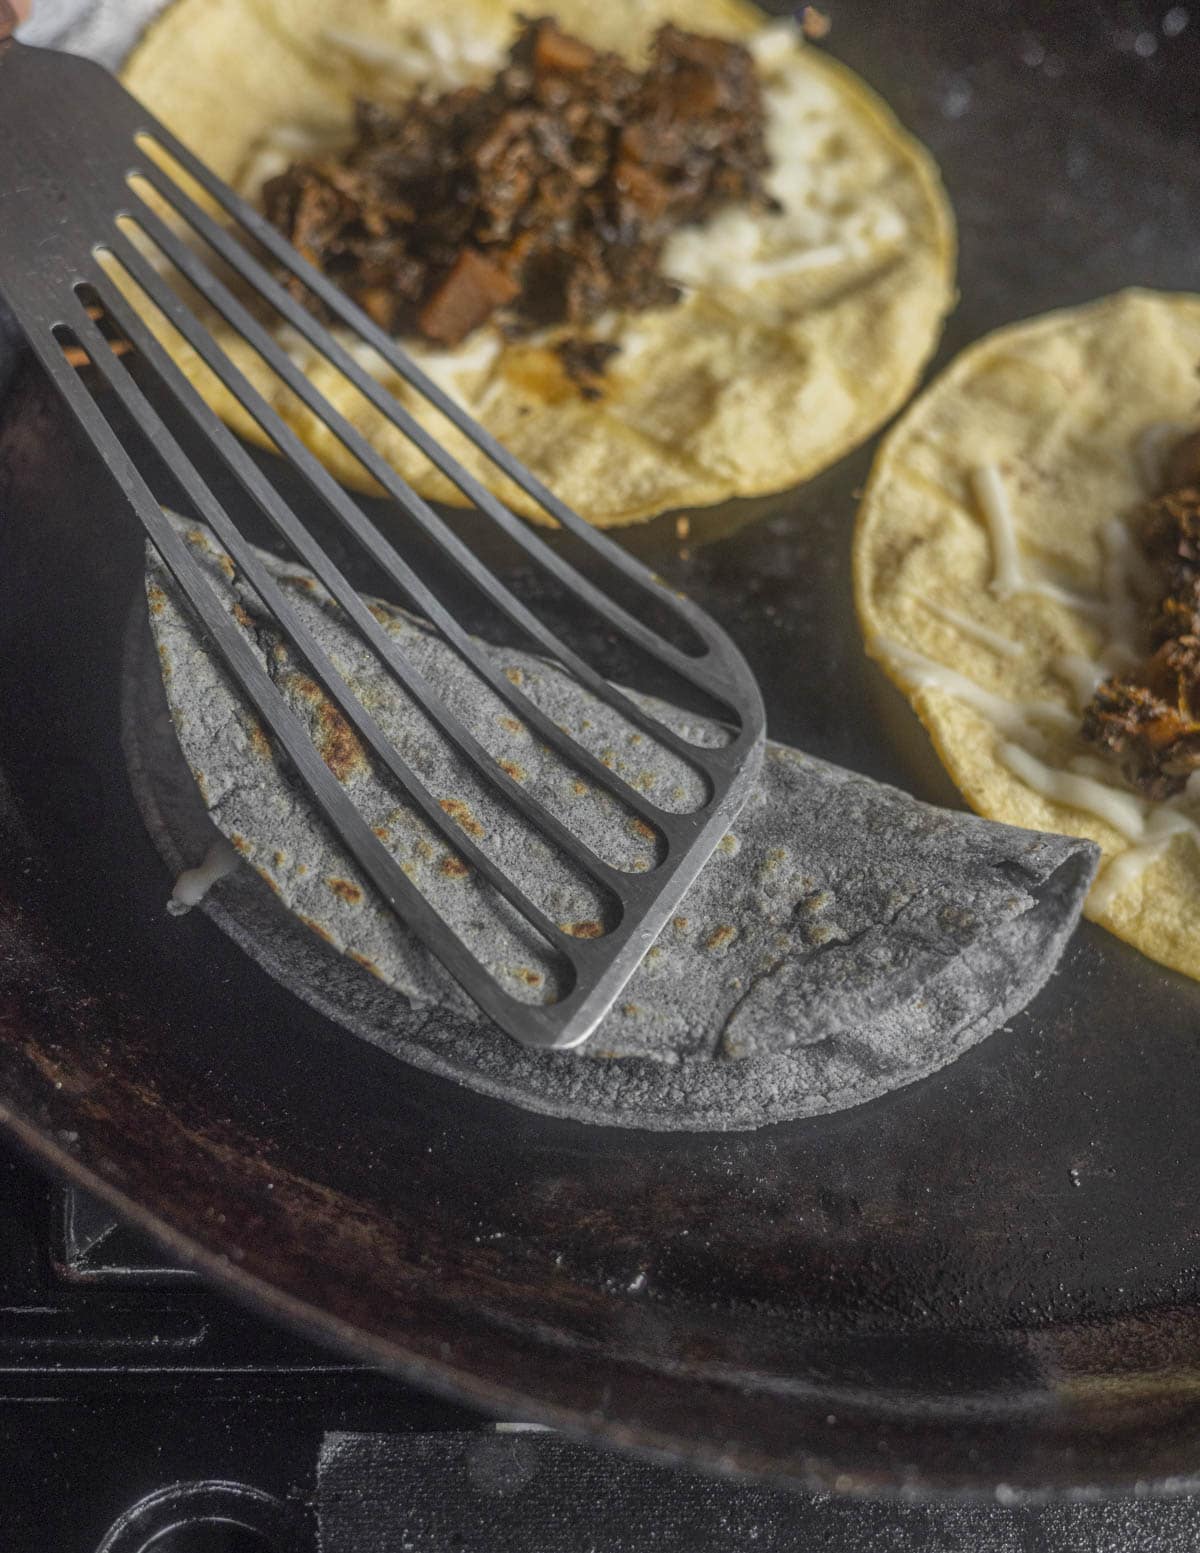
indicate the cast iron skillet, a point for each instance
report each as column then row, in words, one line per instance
column 988, row 1279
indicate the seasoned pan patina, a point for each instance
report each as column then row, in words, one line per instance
column 990, row 1278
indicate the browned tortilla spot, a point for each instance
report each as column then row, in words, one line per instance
column 585, row 929
column 346, row 889
column 316, row 927
column 457, row 810
column 259, row 742
column 338, row 743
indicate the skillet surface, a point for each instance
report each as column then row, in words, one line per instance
column 988, row 1279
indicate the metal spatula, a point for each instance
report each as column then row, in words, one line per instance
column 71, row 140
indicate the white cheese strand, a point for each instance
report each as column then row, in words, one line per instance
column 1008, row 573
column 1117, row 875
column 194, row 884
column 988, row 489
column 1121, row 810
column 1011, row 717
column 772, row 46
column 978, row 632
column 1083, row 674
column 374, row 51
column 1152, row 449
column 1150, row 827
column 435, row 54
column 1118, row 563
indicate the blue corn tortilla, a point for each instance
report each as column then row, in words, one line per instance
column 843, row 941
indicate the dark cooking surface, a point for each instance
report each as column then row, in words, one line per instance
column 990, row 1278
column 131, row 1394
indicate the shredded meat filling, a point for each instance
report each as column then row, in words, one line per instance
column 1149, row 717
column 543, row 198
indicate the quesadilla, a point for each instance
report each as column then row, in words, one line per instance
column 843, row 940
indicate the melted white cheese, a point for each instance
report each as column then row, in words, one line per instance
column 1011, row 717
column 1008, row 571
column 194, row 884
column 1121, row 810
column 1152, row 449
column 772, row 46
column 823, row 221
column 1116, row 876
column 978, row 632
column 988, row 489
column 1081, row 673
column 1149, row 827
column 1091, row 766
column 447, row 368
column 435, row 54
column 1162, row 825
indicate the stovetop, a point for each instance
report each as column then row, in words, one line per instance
column 142, row 1412
column 122, row 1375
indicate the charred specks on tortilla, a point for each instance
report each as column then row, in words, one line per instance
column 585, row 361
column 544, row 198
column 1149, row 716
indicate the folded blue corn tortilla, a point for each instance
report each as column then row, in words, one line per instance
column 843, row 941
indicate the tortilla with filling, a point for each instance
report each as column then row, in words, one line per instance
column 800, row 334
column 998, row 581
column 844, row 939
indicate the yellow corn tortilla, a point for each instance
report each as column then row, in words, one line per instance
column 743, row 389
column 1061, row 407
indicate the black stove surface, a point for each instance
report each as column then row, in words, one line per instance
column 121, row 1376
column 141, row 1412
